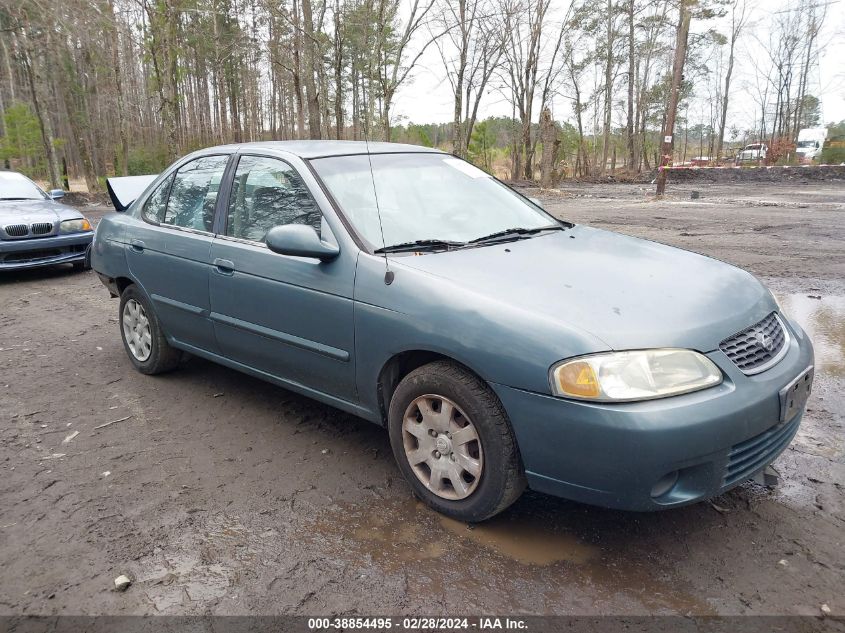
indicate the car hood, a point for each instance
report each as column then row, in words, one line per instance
column 629, row 293
column 29, row 211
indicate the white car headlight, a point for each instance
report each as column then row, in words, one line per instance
column 74, row 226
column 635, row 375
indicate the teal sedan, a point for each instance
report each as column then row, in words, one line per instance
column 501, row 348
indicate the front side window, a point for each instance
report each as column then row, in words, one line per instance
column 194, row 193
column 268, row 192
column 422, row 196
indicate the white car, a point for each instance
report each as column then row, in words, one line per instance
column 755, row 152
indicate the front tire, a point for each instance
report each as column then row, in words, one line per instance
column 143, row 338
column 453, row 442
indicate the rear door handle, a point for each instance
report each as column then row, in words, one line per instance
column 137, row 245
column 224, row 266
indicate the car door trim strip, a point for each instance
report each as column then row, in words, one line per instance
column 295, row 341
column 187, row 307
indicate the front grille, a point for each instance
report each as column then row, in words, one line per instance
column 40, row 254
column 758, row 347
column 750, row 456
column 41, row 228
column 17, row 230
column 31, row 256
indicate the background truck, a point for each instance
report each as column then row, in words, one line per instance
column 809, row 145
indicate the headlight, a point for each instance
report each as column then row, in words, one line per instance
column 636, row 375
column 75, row 226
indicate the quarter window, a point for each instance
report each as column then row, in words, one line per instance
column 268, row 192
column 156, row 204
column 194, row 193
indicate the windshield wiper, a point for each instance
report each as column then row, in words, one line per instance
column 418, row 245
column 513, row 234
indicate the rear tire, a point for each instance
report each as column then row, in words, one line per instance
column 453, row 442
column 143, row 338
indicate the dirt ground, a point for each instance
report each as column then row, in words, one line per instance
column 218, row 493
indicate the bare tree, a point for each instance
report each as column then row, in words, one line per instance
column 739, row 19
column 524, row 39
column 470, row 53
column 395, row 61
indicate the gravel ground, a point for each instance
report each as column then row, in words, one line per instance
column 218, row 493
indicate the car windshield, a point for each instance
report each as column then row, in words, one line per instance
column 14, row 186
column 424, row 197
column 752, row 147
column 807, row 144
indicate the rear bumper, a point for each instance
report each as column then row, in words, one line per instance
column 616, row 455
column 44, row 251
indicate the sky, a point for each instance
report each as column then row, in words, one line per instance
column 428, row 98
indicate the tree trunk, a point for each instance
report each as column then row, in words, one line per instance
column 311, row 91
column 674, row 93
column 118, row 87
column 724, row 115
column 43, row 121
column 632, row 75
column 608, row 89
column 551, row 142
column 385, row 118
column 458, row 142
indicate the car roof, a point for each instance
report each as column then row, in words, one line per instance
column 322, row 149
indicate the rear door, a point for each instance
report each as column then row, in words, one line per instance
column 169, row 252
column 290, row 317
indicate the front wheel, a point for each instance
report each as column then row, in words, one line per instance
column 453, row 442
column 142, row 335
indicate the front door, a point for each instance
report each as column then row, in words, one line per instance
column 289, row 317
column 170, row 250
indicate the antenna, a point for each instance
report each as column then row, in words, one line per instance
column 388, row 274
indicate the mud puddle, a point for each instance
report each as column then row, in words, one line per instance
column 408, row 531
column 823, row 318
column 522, row 546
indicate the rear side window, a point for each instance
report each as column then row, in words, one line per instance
column 156, row 204
column 193, row 194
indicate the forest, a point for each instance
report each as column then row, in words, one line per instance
column 95, row 88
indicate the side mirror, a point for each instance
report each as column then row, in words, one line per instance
column 55, row 194
column 299, row 240
column 537, row 202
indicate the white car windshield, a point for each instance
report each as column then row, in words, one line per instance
column 424, row 196
column 15, row 186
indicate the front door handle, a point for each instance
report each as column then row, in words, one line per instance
column 224, row 266
column 137, row 245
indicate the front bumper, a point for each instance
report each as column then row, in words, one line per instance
column 44, row 251
column 614, row 455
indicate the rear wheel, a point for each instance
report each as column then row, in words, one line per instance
column 142, row 335
column 453, row 442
